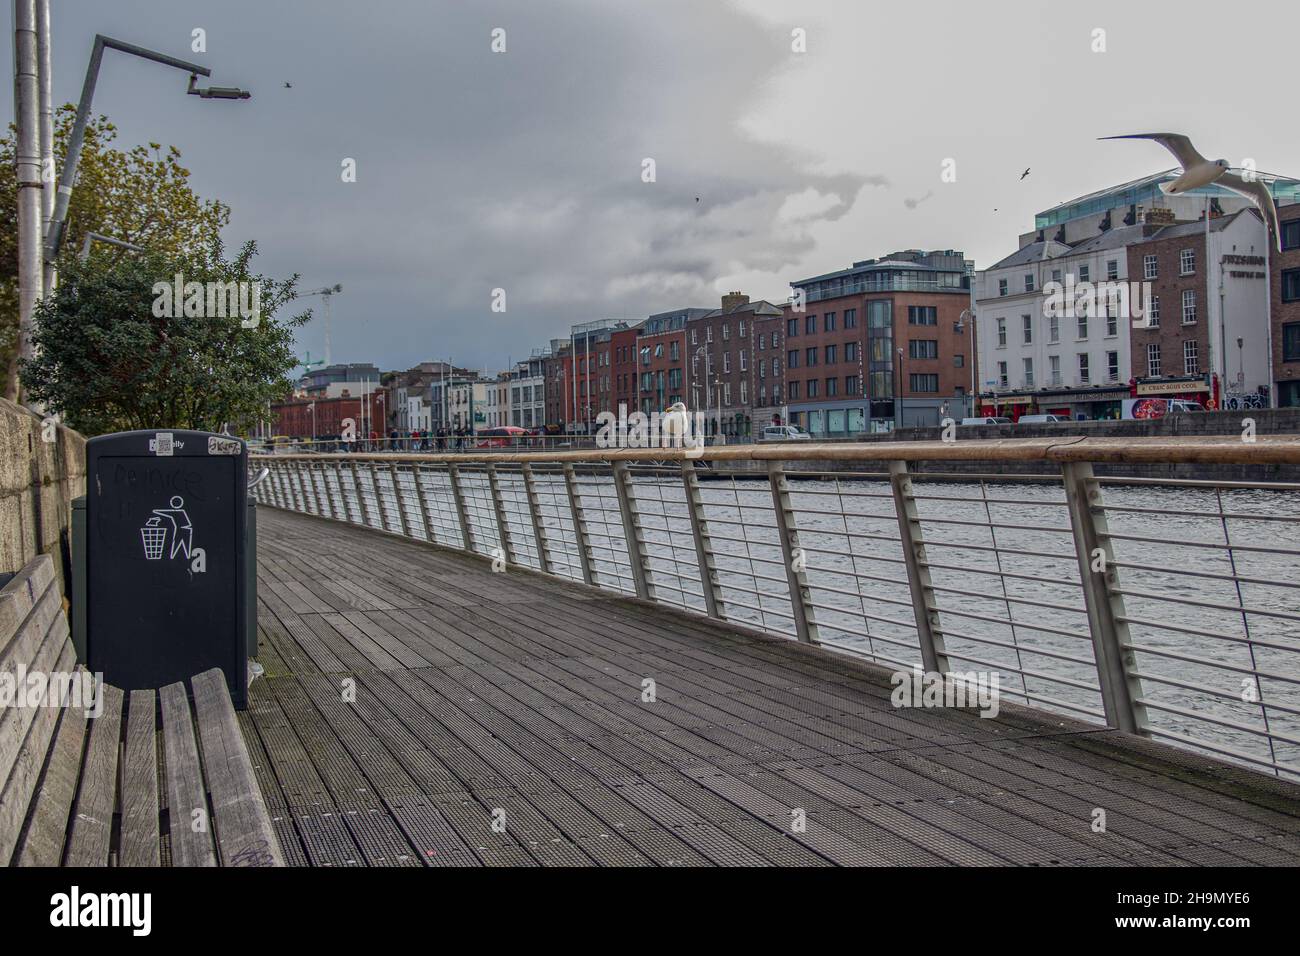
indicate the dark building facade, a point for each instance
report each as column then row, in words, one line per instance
column 1285, row 303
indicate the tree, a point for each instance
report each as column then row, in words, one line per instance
column 117, row 349
column 141, row 196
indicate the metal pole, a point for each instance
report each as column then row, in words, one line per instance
column 361, row 499
column 397, row 496
column 343, row 495
column 805, row 624
column 503, row 525
column 424, row 505
column 462, row 512
column 710, row 581
column 924, row 606
column 580, row 535
column 1116, row 663
column 47, row 113
column 535, row 513
column 379, row 498
column 637, row 554
column 27, row 155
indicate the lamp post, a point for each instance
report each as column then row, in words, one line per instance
column 961, row 327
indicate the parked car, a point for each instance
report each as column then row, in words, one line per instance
column 1041, row 419
column 986, row 420
column 784, row 433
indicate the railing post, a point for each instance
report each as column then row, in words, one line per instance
column 424, row 505
column 348, row 514
column 925, row 607
column 462, row 512
column 499, row 508
column 710, row 581
column 315, row 492
column 361, row 499
column 379, row 497
column 397, row 497
column 535, row 513
column 1121, row 690
column 805, row 623
column 580, row 536
column 277, row 485
column 636, row 549
column 299, row 489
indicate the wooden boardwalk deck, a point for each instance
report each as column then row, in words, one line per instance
column 517, row 698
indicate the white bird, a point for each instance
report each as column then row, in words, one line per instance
column 674, row 426
column 1199, row 171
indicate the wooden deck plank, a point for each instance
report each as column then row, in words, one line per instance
column 188, row 816
column 479, row 692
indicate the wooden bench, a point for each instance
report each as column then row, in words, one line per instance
column 81, row 786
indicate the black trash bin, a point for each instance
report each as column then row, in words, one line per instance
column 167, row 560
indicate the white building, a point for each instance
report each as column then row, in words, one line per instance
column 528, row 393
column 467, row 404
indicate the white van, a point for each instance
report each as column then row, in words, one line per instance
column 1041, row 419
column 987, row 420
column 784, row 433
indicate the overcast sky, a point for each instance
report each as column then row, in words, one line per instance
column 523, row 170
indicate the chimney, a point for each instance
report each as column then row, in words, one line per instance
column 734, row 300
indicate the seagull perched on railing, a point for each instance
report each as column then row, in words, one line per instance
column 1199, row 171
column 675, row 426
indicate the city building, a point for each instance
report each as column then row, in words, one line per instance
column 661, row 356
column 328, row 419
column 1285, row 295
column 554, row 363
column 623, row 373
column 885, row 328
column 467, row 403
column 496, row 404
column 726, row 368
column 332, row 380
column 528, row 392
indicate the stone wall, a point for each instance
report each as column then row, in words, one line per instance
column 41, row 470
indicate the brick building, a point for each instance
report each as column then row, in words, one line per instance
column 325, row 418
column 622, row 370
column 884, row 328
column 727, row 374
column 1285, row 296
column 662, row 361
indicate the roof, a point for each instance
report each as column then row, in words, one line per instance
column 1034, row 252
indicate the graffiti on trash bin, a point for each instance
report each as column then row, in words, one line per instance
column 169, row 533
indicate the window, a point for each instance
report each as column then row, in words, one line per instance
column 726, row 393
column 794, row 392
column 744, row 391
column 1112, row 270
column 810, row 357
column 923, row 348
column 1153, row 313
column 776, row 367
column 1054, row 328
column 1002, row 287
column 645, row 355
column 811, row 387
column 791, row 359
column 1153, row 360
column 1291, row 341
column 924, row 382
column 1291, row 235
column 1083, row 327
column 1112, row 366
column 1084, row 374
column 726, row 361
column 741, row 323
column 831, row 354
column 959, row 361
column 1187, row 262
column 708, row 335
column 810, row 325
column 1002, row 333
column 1056, row 275
column 832, row 387
column 828, row 322
column 694, row 340
column 1291, row 285
column 791, row 328
column 852, row 386
column 1150, row 267
column 726, row 332
column 1189, row 306
column 1191, row 361
column 1002, row 374
column 922, row 315
column 1085, row 274
column 1027, row 326
column 762, row 343
column 762, row 369
column 1029, row 373
column 850, row 351
column 1112, row 326
column 850, row 318
column 1054, row 369
column 744, row 361
column 675, row 352
column 1029, row 282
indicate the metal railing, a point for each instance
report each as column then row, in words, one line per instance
column 1165, row 608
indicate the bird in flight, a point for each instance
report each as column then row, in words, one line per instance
column 1024, row 175
column 288, row 86
column 1199, row 172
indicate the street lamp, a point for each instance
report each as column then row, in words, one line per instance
column 58, row 219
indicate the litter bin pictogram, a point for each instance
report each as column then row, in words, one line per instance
column 155, row 539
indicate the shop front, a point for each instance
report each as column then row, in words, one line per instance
column 1192, row 388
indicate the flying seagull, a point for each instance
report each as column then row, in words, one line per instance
column 1199, row 171
column 1024, row 175
column 288, row 86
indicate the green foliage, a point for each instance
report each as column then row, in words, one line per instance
column 108, row 362
column 141, row 195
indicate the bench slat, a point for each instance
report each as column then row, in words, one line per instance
column 36, row 648
column 184, row 777
column 20, row 595
column 42, row 844
column 245, row 836
column 139, row 843
column 92, row 826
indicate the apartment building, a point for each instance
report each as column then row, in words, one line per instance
column 663, row 367
column 881, row 345
column 527, row 383
column 1285, row 297
column 727, row 375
